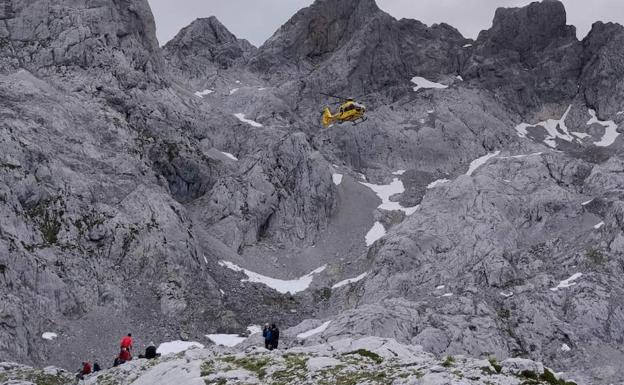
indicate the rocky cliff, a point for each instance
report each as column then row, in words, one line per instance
column 188, row 190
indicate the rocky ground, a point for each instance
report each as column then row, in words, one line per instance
column 362, row 361
column 188, row 190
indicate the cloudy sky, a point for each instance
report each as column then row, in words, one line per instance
column 256, row 20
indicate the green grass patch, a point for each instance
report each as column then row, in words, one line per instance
column 368, row 354
column 450, row 361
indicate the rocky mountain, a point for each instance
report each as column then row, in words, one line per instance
column 188, row 191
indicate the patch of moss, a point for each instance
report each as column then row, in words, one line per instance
column 550, row 378
column 368, row 354
column 495, row 364
column 255, row 365
column 450, row 361
column 207, row 368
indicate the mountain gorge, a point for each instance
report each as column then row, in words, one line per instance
column 189, row 190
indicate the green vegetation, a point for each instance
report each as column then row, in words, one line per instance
column 495, row 364
column 368, row 354
column 255, row 365
column 450, row 361
column 207, row 368
column 295, row 370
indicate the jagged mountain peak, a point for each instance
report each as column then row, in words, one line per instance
column 208, row 31
column 530, row 27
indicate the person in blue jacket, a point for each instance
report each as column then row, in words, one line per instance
column 267, row 334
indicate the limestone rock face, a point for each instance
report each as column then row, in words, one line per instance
column 187, row 191
column 203, row 48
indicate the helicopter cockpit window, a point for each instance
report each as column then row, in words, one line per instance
column 349, row 107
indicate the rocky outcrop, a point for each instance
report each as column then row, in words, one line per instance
column 602, row 81
column 529, row 57
column 204, row 48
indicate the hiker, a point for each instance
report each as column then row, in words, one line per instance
column 124, row 356
column 86, row 368
column 116, row 362
column 266, row 333
column 150, row 352
column 274, row 336
column 126, row 342
column 96, row 367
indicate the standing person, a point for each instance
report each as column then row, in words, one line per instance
column 126, row 342
column 274, row 336
column 266, row 333
column 96, row 366
column 86, row 368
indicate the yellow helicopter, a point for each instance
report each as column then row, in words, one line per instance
column 349, row 111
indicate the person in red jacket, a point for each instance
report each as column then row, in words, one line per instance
column 124, row 356
column 86, row 368
column 126, row 342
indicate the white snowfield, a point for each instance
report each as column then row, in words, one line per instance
column 384, row 192
column 314, row 331
column 437, row 183
column 226, row 339
column 252, row 123
column 49, row 336
column 554, row 128
column 610, row 134
column 350, row 281
column 567, row 282
column 174, row 347
column 422, row 83
column 203, row 93
column 475, row 164
column 377, row 232
column 337, row 179
column 283, row 286
column 229, row 155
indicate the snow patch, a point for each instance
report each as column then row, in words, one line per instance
column 49, row 336
column 475, row 164
column 229, row 155
column 201, row 94
column 554, row 128
column 384, row 192
column 205, row 260
column 226, row 339
column 467, row 45
column 233, row 90
column 350, row 281
column 610, row 133
column 437, row 183
column 221, row 291
column 254, row 329
column 507, row 294
column 565, row 348
column 422, row 83
column 460, row 78
column 377, row 232
column 261, row 88
column 581, row 135
column 314, row 331
column 241, row 117
column 399, row 172
column 599, row 225
column 337, row 178
column 567, row 282
column 587, row 202
column 174, row 347
column 440, row 287
column 447, row 295
column 283, row 286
